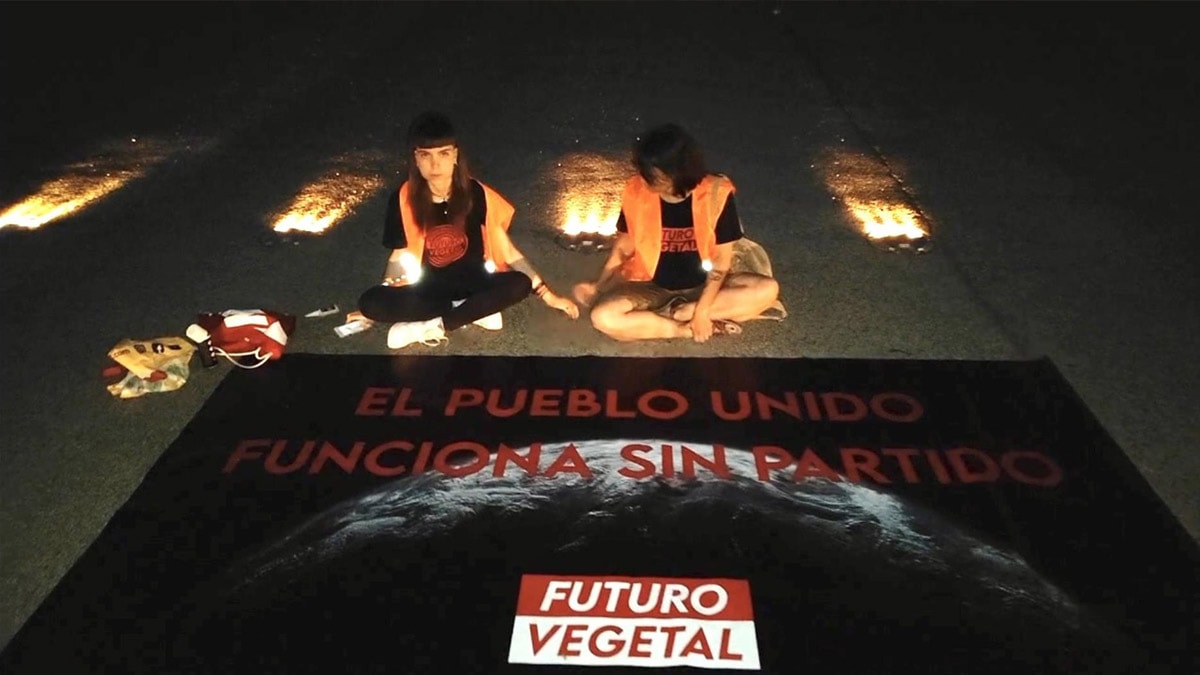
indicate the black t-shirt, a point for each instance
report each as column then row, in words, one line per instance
column 451, row 249
column 679, row 264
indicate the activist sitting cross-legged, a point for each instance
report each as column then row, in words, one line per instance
column 452, row 261
column 669, row 273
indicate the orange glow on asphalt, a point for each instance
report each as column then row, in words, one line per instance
column 885, row 221
column 85, row 183
column 873, row 197
column 322, row 203
column 589, row 189
column 63, row 196
column 588, row 217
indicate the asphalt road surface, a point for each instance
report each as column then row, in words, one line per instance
column 1049, row 147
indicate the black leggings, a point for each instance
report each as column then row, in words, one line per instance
column 482, row 295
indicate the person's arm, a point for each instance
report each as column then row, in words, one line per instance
column 728, row 231
column 621, row 251
column 520, row 263
column 701, row 322
column 397, row 272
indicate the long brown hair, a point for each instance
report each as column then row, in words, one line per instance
column 433, row 130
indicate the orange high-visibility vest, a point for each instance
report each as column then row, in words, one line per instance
column 643, row 219
column 495, row 223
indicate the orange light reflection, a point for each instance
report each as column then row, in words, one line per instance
column 886, row 221
column 85, row 182
column 872, row 195
column 330, row 198
column 589, row 193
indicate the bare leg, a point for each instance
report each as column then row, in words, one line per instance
column 744, row 296
column 617, row 318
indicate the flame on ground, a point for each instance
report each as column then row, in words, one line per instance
column 62, row 196
column 585, row 217
column 589, row 193
column 86, row 182
column 329, row 199
column 886, row 221
column 872, row 196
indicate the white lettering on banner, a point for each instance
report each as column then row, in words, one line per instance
column 609, row 594
column 634, row 621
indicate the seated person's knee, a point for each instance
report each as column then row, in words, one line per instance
column 518, row 289
column 605, row 317
column 372, row 302
column 770, row 289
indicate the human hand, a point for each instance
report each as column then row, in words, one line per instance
column 561, row 304
column 585, row 293
column 702, row 327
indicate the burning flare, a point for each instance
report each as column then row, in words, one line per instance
column 333, row 196
column 589, row 217
column 589, row 193
column 85, row 182
column 886, row 221
column 873, row 197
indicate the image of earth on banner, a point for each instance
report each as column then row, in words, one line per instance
column 425, row 570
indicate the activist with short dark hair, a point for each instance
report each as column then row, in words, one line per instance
column 452, row 261
column 668, row 275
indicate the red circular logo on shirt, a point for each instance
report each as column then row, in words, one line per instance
column 445, row 244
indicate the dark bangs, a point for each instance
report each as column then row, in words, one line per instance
column 672, row 151
column 425, row 143
column 431, row 129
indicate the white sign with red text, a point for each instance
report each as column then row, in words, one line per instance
column 634, row 621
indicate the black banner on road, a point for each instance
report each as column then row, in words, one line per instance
column 492, row 515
